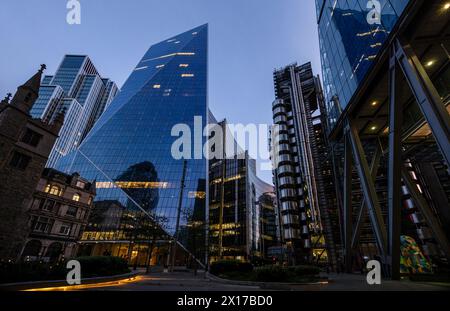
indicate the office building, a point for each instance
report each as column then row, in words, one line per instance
column 386, row 83
column 242, row 222
column 351, row 35
column 25, row 144
column 77, row 89
column 270, row 236
column 58, row 214
column 147, row 197
column 302, row 173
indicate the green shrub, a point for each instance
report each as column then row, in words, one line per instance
column 92, row 266
column 226, row 266
column 41, row 271
column 31, row 271
column 305, row 270
column 271, row 274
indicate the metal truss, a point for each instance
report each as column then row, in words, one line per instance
column 403, row 62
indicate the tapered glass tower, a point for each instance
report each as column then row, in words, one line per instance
column 144, row 194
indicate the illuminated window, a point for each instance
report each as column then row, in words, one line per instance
column 141, row 68
column 160, row 66
column 177, row 42
column 81, row 184
column 90, row 200
column 184, row 65
column 194, row 33
column 157, row 86
column 169, row 55
column 187, row 75
column 55, row 190
column 133, row 184
column 76, row 197
column 197, row 194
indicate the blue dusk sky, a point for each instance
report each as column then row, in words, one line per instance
column 247, row 40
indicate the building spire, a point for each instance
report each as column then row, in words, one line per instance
column 27, row 93
column 43, row 67
column 6, row 99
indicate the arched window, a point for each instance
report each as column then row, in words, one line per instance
column 54, row 251
column 32, row 248
column 55, row 190
column 90, row 200
column 76, row 197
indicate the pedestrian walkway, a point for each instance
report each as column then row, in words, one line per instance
column 187, row 281
column 357, row 282
column 176, row 281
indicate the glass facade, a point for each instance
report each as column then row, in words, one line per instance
column 128, row 152
column 241, row 226
column 70, row 71
column 47, row 102
column 78, row 89
column 351, row 33
column 69, row 133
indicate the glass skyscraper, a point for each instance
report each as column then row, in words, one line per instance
column 78, row 89
column 351, row 33
column 242, row 214
column 387, row 96
column 144, row 194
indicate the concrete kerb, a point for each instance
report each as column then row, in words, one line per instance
column 57, row 283
column 263, row 285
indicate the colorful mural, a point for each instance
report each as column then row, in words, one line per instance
column 412, row 260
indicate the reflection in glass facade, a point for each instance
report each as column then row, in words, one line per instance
column 142, row 191
column 242, row 215
column 351, row 33
column 78, row 89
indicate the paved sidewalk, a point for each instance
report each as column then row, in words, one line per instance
column 187, row 281
column 357, row 282
column 176, row 281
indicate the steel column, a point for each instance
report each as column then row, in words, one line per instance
column 394, row 168
column 427, row 213
column 348, row 223
column 374, row 165
column 426, row 96
column 369, row 191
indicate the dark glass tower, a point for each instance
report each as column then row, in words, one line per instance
column 128, row 153
column 351, row 34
